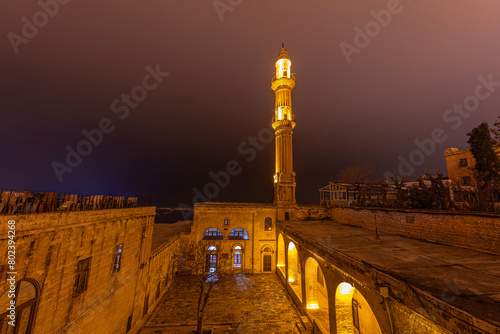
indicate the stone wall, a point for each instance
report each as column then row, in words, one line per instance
column 252, row 218
column 49, row 247
column 312, row 212
column 469, row 230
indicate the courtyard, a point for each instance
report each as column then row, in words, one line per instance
column 242, row 304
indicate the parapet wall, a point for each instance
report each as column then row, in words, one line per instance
column 312, row 212
column 470, row 230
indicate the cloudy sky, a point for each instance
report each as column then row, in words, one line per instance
column 372, row 78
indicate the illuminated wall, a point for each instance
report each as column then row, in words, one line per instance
column 294, row 270
column 353, row 313
column 317, row 295
column 281, row 254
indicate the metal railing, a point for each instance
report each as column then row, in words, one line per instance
column 292, row 76
column 13, row 202
column 285, row 118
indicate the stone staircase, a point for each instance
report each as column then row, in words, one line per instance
column 304, row 325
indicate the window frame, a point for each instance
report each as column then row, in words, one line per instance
column 467, row 180
column 82, row 276
column 239, row 233
column 213, row 233
column 117, row 258
column 238, row 255
column 287, row 215
column 268, row 224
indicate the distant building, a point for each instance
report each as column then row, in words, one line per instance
column 337, row 194
column 460, row 164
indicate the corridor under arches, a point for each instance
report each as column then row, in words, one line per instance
column 294, row 270
column 353, row 313
column 317, row 295
column 281, row 254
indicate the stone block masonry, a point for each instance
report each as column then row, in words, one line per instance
column 49, row 247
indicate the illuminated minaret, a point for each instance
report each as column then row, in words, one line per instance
column 283, row 124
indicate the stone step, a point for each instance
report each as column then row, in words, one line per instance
column 305, row 325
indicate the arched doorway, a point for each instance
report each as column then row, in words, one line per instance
column 26, row 297
column 281, row 254
column 237, row 259
column 317, row 295
column 353, row 313
column 211, row 260
column 294, row 272
column 267, row 263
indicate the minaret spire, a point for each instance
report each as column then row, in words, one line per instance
column 283, row 124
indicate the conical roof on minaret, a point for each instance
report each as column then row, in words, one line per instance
column 283, row 54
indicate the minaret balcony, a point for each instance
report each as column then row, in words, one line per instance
column 283, row 123
column 284, row 118
column 283, row 81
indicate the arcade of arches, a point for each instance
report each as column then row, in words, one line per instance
column 351, row 312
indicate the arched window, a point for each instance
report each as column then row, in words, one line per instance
column 26, row 297
column 237, row 247
column 212, row 234
column 238, row 234
column 212, row 248
column 268, row 224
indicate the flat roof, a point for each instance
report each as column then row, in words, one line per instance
column 233, row 205
column 164, row 232
column 431, row 267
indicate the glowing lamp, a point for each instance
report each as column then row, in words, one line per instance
column 313, row 306
column 346, row 288
column 291, row 280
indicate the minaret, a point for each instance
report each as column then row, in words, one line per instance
column 283, row 124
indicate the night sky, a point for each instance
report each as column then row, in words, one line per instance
column 66, row 76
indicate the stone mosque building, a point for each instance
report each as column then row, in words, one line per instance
column 101, row 265
column 249, row 229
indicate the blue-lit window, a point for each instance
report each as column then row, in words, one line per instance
column 238, row 234
column 212, row 234
column 117, row 259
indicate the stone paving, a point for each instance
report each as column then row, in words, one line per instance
column 244, row 304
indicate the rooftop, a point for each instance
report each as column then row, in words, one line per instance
column 162, row 233
column 471, row 277
column 233, row 205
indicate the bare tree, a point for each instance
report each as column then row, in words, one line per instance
column 207, row 261
column 358, row 176
column 437, row 188
column 400, row 185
